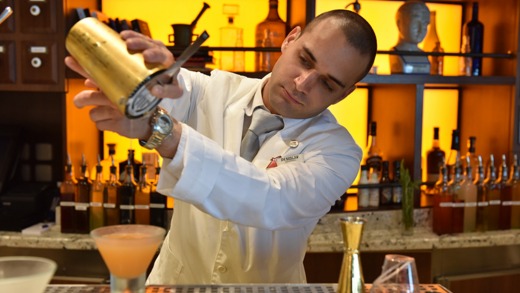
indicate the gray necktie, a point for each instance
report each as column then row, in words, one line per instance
column 262, row 122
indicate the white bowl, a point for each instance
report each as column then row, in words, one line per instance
column 25, row 273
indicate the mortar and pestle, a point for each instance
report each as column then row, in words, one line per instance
column 183, row 33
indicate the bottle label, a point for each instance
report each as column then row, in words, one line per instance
column 375, row 162
column 507, row 203
column 515, row 203
column 96, row 204
column 67, row 203
column 458, row 204
column 471, row 204
column 446, row 204
column 157, row 206
column 126, row 207
column 142, row 207
column 109, row 205
column 483, row 204
column 81, row 206
column 495, row 202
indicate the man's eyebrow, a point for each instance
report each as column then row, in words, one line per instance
column 334, row 79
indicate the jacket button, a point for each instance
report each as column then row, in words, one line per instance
column 221, row 269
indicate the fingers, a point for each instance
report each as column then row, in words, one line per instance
column 153, row 51
column 167, row 89
column 92, row 98
column 74, row 65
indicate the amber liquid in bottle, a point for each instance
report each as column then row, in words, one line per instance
column 269, row 33
column 111, row 198
column 373, row 154
column 126, row 193
column 434, row 158
column 67, row 200
column 493, row 196
column 157, row 203
column 454, row 187
column 468, row 191
column 482, row 202
column 83, row 201
column 504, row 221
column 515, row 194
column 142, row 199
column 97, row 217
column 442, row 204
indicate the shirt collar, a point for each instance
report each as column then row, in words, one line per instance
column 257, row 100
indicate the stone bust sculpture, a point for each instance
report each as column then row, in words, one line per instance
column 412, row 20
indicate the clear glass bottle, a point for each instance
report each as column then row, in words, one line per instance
column 82, row 200
column 482, row 201
column 157, row 202
column 274, row 29
column 68, row 190
column 474, row 31
column 471, row 153
column 465, row 61
column 126, row 194
column 96, row 199
column 515, row 194
column 397, row 190
column 373, row 154
column 442, row 204
column 373, row 178
column 454, row 187
column 454, row 155
column 111, row 200
column 385, row 192
column 468, row 191
column 432, row 43
column 231, row 36
column 504, row 221
column 142, row 199
column 363, row 192
column 434, row 158
column 492, row 195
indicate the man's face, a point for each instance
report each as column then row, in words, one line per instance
column 413, row 28
column 317, row 69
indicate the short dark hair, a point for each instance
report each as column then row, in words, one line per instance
column 357, row 30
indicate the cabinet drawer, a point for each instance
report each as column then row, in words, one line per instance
column 7, row 62
column 37, row 16
column 39, row 62
column 8, row 25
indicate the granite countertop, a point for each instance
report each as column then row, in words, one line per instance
column 381, row 232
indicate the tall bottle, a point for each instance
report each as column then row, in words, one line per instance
column 504, row 221
column 373, row 154
column 82, row 201
column 515, row 194
column 363, row 193
column 454, row 155
column 397, row 190
column 493, row 195
column 136, row 164
column 273, row 28
column 126, row 194
column 474, row 31
column 482, row 201
column 434, row 158
column 106, row 162
column 231, row 36
column 157, row 202
column 373, row 192
column 386, row 190
column 111, row 200
column 471, row 153
column 442, row 204
column 67, row 200
column 454, row 187
column 97, row 217
column 142, row 199
column 468, row 191
column 432, row 43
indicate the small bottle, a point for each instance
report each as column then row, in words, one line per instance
column 482, row 201
column 136, row 164
column 276, row 29
column 504, row 186
column 126, row 194
column 465, row 61
column 454, row 188
column 515, row 194
column 373, row 154
column 474, row 31
column 67, row 200
column 468, row 191
column 111, row 200
column 82, row 200
column 373, row 201
column 363, row 192
column 454, row 155
column 142, row 199
column 385, row 191
column 434, row 158
column 397, row 190
column 442, row 204
column 157, row 202
column 96, row 199
column 432, row 43
column 492, row 195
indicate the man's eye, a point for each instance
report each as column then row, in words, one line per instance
column 304, row 62
column 327, row 85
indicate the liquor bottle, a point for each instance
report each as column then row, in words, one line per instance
column 373, row 154
column 105, row 163
column 515, row 194
column 397, row 190
column 96, row 199
column 474, row 30
column 454, row 155
column 274, row 28
column 142, row 199
column 230, row 36
column 126, row 194
column 157, row 202
column 433, row 44
column 136, row 164
column 111, row 200
column 442, row 204
column 67, row 200
column 82, row 200
column 482, row 201
column 386, row 190
column 465, row 61
column 373, row 192
column 504, row 221
column 457, row 211
column 434, row 158
column 492, row 195
column 468, row 191
column 363, row 192
column 471, row 153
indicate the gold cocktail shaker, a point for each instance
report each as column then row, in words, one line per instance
column 351, row 275
column 120, row 74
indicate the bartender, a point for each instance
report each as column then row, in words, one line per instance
column 242, row 215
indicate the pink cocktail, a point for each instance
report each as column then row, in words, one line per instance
column 127, row 251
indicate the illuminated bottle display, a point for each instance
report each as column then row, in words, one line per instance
column 493, row 195
column 504, row 221
column 468, row 192
column 454, row 188
column 126, row 194
column 373, row 154
column 157, row 203
column 231, row 36
column 514, row 181
column 482, row 201
column 442, row 204
column 434, row 158
column 474, row 31
column 67, row 200
column 269, row 33
column 96, row 199
column 142, row 199
column 111, row 198
column 82, row 201
column 454, row 155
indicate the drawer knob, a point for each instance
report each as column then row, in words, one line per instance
column 35, row 10
column 36, row 62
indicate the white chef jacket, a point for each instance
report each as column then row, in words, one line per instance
column 237, row 221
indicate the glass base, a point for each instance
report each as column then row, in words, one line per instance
column 126, row 285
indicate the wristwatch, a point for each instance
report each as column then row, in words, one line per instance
column 162, row 125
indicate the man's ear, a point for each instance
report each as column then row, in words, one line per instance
column 345, row 94
column 293, row 35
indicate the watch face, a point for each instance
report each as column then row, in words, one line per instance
column 163, row 124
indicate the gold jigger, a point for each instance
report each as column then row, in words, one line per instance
column 351, row 275
column 120, row 74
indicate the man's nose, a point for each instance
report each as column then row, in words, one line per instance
column 306, row 80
